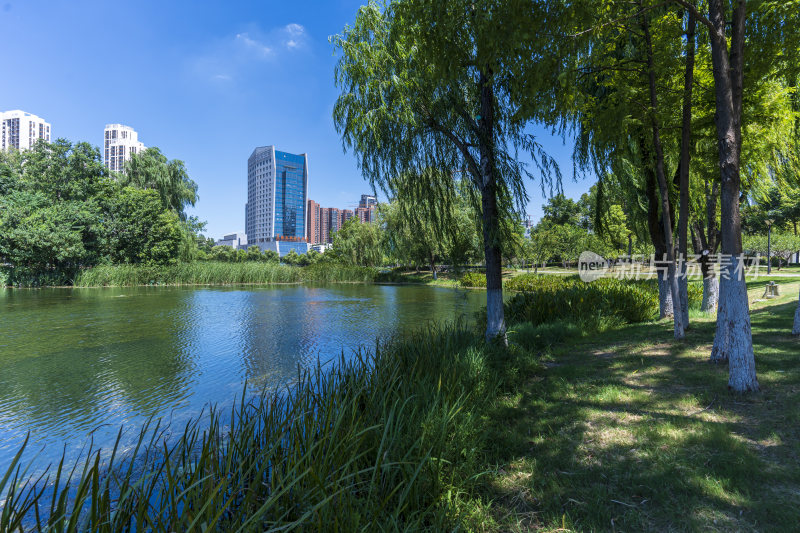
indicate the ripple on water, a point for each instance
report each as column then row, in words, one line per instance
column 78, row 364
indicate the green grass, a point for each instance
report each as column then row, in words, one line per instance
column 629, row 430
column 221, row 273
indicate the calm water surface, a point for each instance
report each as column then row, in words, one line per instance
column 80, row 363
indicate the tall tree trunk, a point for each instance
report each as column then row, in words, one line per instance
column 796, row 328
column 654, row 228
column 733, row 320
column 662, row 185
column 666, row 308
column 495, row 317
column 686, row 156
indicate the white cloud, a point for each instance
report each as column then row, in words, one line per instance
column 294, row 29
column 232, row 57
column 252, row 44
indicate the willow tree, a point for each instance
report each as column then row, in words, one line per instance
column 428, row 85
column 153, row 171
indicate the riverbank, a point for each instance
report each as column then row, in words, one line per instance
column 570, row 427
column 390, row 438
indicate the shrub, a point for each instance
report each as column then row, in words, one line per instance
column 549, row 298
column 473, row 279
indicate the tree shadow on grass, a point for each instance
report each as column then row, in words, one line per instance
column 634, row 431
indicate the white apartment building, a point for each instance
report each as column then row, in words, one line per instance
column 120, row 143
column 21, row 130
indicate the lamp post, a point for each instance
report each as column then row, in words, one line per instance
column 769, row 222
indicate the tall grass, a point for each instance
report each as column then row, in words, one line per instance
column 221, row 273
column 377, row 443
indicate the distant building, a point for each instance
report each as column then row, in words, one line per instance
column 334, row 222
column 20, row 130
column 312, row 225
column 234, row 240
column 120, row 143
column 323, row 222
column 277, row 193
column 366, row 209
column 368, row 200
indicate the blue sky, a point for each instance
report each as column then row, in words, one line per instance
column 204, row 81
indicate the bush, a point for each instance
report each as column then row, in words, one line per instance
column 473, row 279
column 550, row 298
column 695, row 291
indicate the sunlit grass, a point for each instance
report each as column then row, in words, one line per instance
column 628, row 430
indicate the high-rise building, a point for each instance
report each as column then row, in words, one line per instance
column 334, row 222
column 324, row 224
column 368, row 200
column 312, row 225
column 366, row 208
column 277, row 193
column 20, row 130
column 121, row 142
column 347, row 214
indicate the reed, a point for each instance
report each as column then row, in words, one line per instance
column 222, row 273
column 378, row 442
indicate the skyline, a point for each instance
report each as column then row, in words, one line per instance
column 206, row 86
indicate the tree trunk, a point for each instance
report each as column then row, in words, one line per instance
column 662, row 185
column 433, row 266
column 734, row 337
column 710, row 294
column 495, row 317
column 665, row 304
column 686, row 156
column 796, row 328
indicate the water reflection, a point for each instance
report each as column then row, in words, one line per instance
column 75, row 363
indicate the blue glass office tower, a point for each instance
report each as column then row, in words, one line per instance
column 277, row 194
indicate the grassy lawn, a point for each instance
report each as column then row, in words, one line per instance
column 631, row 431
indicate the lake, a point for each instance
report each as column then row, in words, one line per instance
column 77, row 364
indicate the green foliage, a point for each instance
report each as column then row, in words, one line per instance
column 292, row 258
column 782, row 246
column 151, row 170
column 473, row 279
column 358, row 244
column 224, row 272
column 548, row 298
column 61, row 212
column 430, row 220
column 140, row 230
